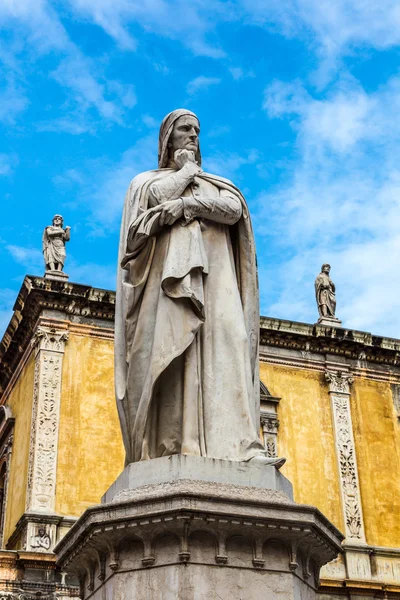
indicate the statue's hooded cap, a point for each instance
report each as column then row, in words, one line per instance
column 165, row 132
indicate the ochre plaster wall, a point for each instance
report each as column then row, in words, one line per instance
column 377, row 438
column 90, row 449
column 306, row 437
column 20, row 403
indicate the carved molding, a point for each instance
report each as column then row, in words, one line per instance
column 339, row 389
column 49, row 346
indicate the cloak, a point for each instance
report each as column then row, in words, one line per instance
column 181, row 282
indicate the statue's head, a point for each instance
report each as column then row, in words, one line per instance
column 325, row 268
column 179, row 130
column 41, row 532
column 58, row 221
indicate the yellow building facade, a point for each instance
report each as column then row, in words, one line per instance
column 330, row 403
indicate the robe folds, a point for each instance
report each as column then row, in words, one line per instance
column 187, row 330
column 325, row 294
column 54, row 245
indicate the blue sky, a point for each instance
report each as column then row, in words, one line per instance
column 298, row 102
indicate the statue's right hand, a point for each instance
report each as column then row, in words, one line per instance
column 182, row 157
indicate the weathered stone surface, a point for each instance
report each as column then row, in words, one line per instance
column 192, row 539
column 169, row 469
column 187, row 310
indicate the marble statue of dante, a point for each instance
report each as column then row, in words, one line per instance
column 325, row 293
column 187, row 312
column 54, row 238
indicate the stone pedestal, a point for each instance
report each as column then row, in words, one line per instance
column 329, row 322
column 56, row 276
column 190, row 528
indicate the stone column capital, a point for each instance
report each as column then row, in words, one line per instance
column 49, row 338
column 339, row 381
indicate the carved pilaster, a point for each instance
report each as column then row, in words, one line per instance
column 270, row 425
column 339, row 391
column 269, row 420
column 49, row 346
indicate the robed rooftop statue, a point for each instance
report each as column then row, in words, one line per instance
column 325, row 295
column 187, row 310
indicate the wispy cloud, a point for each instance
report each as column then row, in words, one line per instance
column 341, row 203
column 104, row 199
column 83, row 80
column 228, row 164
column 201, row 83
column 7, row 163
column 30, row 258
column 191, row 23
column 99, row 275
column 13, row 100
column 332, row 29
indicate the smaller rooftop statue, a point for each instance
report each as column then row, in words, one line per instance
column 326, row 298
column 54, row 238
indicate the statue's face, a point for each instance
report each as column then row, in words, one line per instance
column 57, row 221
column 185, row 134
column 326, row 270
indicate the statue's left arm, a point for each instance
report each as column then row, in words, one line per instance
column 67, row 234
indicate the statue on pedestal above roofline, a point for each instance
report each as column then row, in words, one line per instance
column 54, row 239
column 325, row 295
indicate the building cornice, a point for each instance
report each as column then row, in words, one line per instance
column 88, row 310
column 320, row 339
column 37, row 297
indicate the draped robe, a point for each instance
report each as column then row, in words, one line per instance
column 325, row 294
column 187, row 327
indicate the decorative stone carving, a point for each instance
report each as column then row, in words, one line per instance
column 270, row 425
column 396, row 398
column 6, row 444
column 41, row 542
column 269, row 420
column 339, row 381
column 49, row 349
column 339, row 389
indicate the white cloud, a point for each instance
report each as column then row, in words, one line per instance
column 187, row 22
column 341, row 203
column 99, row 275
column 82, row 78
column 103, row 184
column 30, row 258
column 109, row 98
column 7, row 163
column 228, row 164
column 201, row 83
column 333, row 29
column 238, row 73
column 13, row 101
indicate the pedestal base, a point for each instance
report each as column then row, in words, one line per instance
column 56, row 275
column 195, row 539
column 329, row 322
